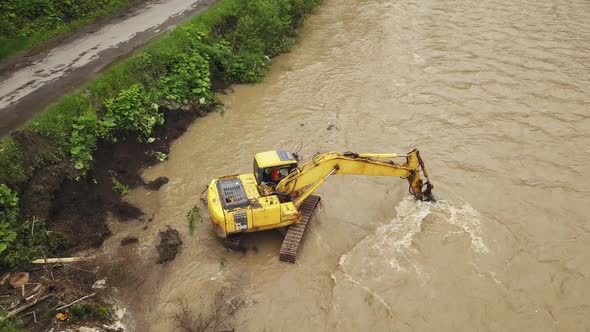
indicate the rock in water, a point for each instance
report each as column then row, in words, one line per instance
column 157, row 183
column 170, row 245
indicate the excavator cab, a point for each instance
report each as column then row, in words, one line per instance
column 272, row 166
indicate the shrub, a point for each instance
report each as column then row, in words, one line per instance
column 8, row 216
column 264, row 27
column 31, row 235
column 19, row 241
column 133, row 110
column 90, row 311
column 12, row 170
column 188, row 81
column 83, row 140
column 9, row 324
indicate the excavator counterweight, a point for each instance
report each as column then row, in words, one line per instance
column 279, row 192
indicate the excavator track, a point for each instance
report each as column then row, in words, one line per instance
column 233, row 242
column 295, row 233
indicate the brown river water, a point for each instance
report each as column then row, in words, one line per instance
column 495, row 94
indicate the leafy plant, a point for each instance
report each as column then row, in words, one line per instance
column 188, row 81
column 8, row 216
column 160, row 156
column 193, row 216
column 83, row 141
column 31, row 236
column 90, row 311
column 120, row 188
column 12, row 170
column 9, row 324
column 19, row 240
column 132, row 110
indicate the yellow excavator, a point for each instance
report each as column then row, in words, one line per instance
column 279, row 192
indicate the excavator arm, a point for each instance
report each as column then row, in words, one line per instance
column 304, row 180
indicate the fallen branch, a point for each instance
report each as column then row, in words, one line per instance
column 78, row 300
column 62, row 260
column 35, row 293
column 24, row 307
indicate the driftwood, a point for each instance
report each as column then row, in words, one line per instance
column 35, row 293
column 62, row 260
column 5, row 278
column 78, row 300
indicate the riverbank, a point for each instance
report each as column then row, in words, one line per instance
column 68, row 169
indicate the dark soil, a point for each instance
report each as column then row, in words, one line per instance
column 77, row 211
column 170, row 245
column 157, row 183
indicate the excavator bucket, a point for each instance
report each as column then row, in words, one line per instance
column 427, row 195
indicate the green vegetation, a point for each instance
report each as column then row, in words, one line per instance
column 160, row 156
column 132, row 110
column 19, row 241
column 193, row 216
column 83, row 140
column 231, row 42
column 90, row 311
column 12, row 170
column 8, row 216
column 10, row 324
column 29, row 23
column 120, row 188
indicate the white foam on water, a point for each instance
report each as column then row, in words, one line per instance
column 396, row 237
column 375, row 295
column 468, row 220
column 391, row 244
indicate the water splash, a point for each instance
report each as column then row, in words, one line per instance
column 390, row 246
column 466, row 218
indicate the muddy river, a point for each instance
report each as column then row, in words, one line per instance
column 495, row 94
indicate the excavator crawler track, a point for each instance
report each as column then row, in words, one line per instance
column 295, row 233
column 233, row 242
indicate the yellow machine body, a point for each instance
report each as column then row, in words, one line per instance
column 236, row 204
column 270, row 197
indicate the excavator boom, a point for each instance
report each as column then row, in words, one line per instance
column 301, row 182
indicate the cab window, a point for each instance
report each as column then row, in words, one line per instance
column 276, row 173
